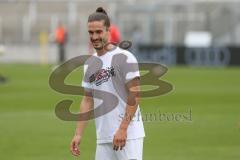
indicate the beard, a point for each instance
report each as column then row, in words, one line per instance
column 99, row 43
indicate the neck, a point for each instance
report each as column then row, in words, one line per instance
column 101, row 52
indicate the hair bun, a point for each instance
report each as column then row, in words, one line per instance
column 101, row 10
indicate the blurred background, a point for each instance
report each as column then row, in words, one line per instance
column 26, row 26
column 198, row 40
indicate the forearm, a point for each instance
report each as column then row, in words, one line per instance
column 133, row 99
column 86, row 105
column 81, row 125
column 129, row 113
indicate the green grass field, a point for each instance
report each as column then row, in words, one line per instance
column 31, row 131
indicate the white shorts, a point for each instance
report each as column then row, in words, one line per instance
column 133, row 150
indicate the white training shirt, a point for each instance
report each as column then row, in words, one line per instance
column 109, row 73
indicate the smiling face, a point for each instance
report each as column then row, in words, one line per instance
column 98, row 34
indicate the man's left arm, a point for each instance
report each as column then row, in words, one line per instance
column 133, row 98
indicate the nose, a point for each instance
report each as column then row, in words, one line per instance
column 95, row 36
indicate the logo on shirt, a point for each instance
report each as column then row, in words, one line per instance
column 102, row 76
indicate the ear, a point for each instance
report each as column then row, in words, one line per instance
column 108, row 30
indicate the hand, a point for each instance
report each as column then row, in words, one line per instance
column 74, row 146
column 119, row 139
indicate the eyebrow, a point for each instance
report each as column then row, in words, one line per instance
column 99, row 30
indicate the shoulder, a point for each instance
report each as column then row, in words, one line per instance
column 91, row 59
column 125, row 54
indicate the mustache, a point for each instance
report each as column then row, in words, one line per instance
column 96, row 40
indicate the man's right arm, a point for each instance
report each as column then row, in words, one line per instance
column 86, row 105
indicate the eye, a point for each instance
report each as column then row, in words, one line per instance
column 99, row 31
column 90, row 32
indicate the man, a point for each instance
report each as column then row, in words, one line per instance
column 114, row 34
column 61, row 40
column 2, row 79
column 118, row 122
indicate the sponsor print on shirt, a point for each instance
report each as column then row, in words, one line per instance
column 102, row 76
